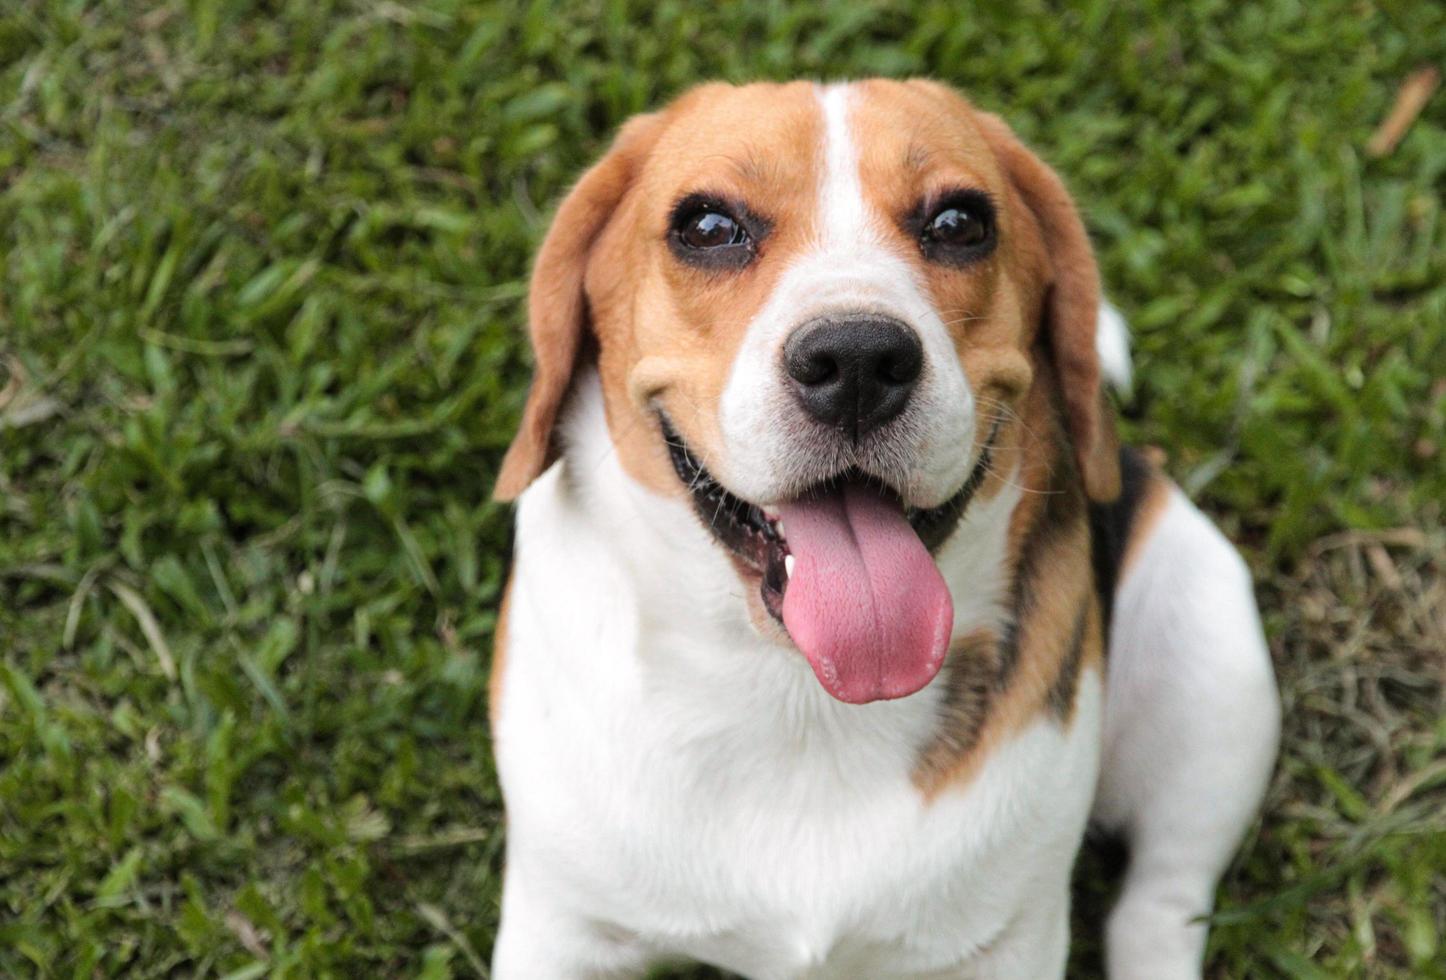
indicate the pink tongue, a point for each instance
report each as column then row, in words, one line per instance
column 865, row 603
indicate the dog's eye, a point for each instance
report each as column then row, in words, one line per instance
column 958, row 226
column 711, row 229
column 959, row 229
column 712, row 233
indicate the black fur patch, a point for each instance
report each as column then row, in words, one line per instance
column 1110, row 526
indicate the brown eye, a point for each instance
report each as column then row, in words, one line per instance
column 712, row 232
column 711, row 229
column 958, row 227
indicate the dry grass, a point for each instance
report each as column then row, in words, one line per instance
column 1358, row 631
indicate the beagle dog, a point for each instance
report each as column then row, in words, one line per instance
column 837, row 611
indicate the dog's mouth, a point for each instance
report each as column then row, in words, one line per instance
column 846, row 567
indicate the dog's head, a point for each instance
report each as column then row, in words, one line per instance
column 817, row 311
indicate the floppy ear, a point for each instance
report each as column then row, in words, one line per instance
column 1071, row 309
column 557, row 306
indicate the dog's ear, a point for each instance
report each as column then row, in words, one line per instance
column 1071, row 308
column 556, row 304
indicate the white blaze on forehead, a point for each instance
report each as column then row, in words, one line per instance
column 842, row 215
column 771, row 448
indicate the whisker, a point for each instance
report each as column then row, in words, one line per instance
column 1000, row 414
column 964, row 319
column 1007, row 411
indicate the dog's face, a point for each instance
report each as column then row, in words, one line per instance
column 817, row 312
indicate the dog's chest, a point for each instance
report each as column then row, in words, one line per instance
column 764, row 852
column 790, row 865
column 776, row 839
column 692, row 791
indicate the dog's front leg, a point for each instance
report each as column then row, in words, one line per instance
column 1191, row 728
column 1035, row 946
column 540, row 939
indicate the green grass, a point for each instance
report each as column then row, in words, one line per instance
column 261, row 348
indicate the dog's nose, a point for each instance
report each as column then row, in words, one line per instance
column 854, row 372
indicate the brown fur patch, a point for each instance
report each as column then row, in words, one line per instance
column 1086, row 636
column 1055, row 629
column 1055, row 524
column 1147, row 517
column 970, row 681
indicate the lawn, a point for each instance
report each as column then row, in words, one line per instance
column 261, row 348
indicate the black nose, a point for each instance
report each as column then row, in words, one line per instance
column 854, row 372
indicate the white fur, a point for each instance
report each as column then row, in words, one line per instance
column 679, row 787
column 772, row 450
column 1112, row 343
column 844, row 221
